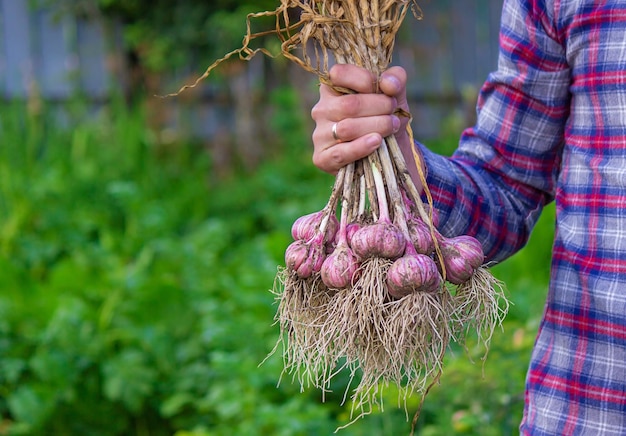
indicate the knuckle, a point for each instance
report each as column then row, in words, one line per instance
column 317, row 112
column 316, row 137
column 335, row 157
column 328, row 160
column 316, row 159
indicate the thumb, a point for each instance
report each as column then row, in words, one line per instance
column 393, row 83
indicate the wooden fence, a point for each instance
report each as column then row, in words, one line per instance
column 447, row 54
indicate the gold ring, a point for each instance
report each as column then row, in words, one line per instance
column 334, row 130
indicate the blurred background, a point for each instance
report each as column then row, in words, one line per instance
column 140, row 235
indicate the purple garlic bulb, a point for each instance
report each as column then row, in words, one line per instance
column 351, row 229
column 307, row 226
column 413, row 273
column 378, row 240
column 339, row 268
column 304, row 258
column 462, row 255
column 420, row 236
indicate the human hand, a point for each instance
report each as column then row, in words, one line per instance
column 351, row 126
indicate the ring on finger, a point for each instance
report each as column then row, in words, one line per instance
column 334, row 131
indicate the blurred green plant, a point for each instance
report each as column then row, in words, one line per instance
column 135, row 295
column 135, row 292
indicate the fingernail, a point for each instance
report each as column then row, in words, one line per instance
column 393, row 80
column 395, row 122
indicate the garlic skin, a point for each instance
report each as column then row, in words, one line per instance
column 295, row 254
column 340, row 268
column 413, row 273
column 307, row 226
column 351, row 229
column 304, row 258
column 380, row 239
column 420, row 236
column 462, row 255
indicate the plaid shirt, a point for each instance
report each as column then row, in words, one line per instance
column 552, row 126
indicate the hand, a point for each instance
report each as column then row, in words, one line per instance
column 362, row 119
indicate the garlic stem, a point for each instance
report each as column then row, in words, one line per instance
column 370, row 186
column 379, row 183
column 361, row 195
column 345, row 202
column 403, row 172
column 392, row 185
column 358, row 207
column 331, row 206
column 398, row 159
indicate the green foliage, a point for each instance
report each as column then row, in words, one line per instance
column 135, row 293
column 132, row 289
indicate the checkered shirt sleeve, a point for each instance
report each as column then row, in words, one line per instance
column 551, row 126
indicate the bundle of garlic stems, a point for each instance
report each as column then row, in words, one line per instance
column 369, row 284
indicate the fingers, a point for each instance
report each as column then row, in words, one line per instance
column 393, row 83
column 350, row 129
column 360, row 120
column 338, row 154
column 356, row 139
column 337, row 107
column 355, row 78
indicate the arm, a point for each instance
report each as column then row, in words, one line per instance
column 504, row 171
